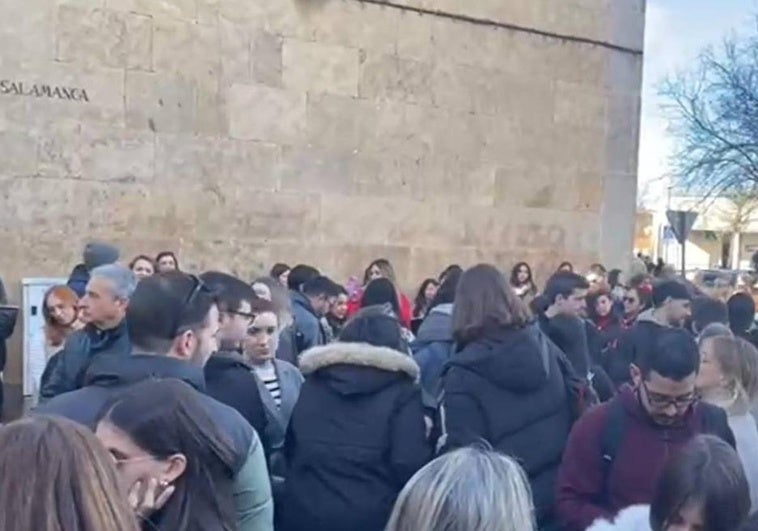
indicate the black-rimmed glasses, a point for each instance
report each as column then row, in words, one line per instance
column 659, row 401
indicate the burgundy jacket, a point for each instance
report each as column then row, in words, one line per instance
column 644, row 449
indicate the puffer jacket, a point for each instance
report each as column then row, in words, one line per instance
column 433, row 347
column 356, row 436
column 507, row 388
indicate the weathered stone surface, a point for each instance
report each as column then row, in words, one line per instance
column 159, row 103
column 331, row 132
column 18, row 150
column 267, row 58
column 388, row 76
column 99, row 37
column 316, row 67
column 257, row 112
column 104, row 88
column 74, row 152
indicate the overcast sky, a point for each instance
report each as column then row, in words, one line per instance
column 675, row 33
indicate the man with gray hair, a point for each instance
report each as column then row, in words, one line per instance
column 103, row 308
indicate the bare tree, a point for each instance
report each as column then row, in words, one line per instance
column 714, row 116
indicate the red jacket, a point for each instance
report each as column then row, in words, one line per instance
column 406, row 312
column 644, row 450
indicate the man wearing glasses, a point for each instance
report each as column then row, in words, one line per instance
column 229, row 378
column 672, row 303
column 173, row 322
column 616, row 452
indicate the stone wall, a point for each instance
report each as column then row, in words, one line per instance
column 242, row 132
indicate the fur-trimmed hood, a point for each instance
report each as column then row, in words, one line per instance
column 358, row 368
column 635, row 518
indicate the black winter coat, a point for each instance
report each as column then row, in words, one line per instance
column 231, row 381
column 507, row 388
column 356, row 436
column 67, row 369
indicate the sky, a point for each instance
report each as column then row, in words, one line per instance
column 676, row 31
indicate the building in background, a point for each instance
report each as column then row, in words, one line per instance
column 241, row 133
column 725, row 234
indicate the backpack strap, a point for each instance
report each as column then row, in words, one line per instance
column 611, row 438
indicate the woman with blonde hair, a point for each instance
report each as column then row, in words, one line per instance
column 728, row 378
column 382, row 268
column 471, row 489
column 56, row 476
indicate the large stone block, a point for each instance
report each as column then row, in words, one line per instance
column 316, row 170
column 187, row 50
column 257, row 112
column 249, row 164
column 70, row 151
column 580, row 105
column 388, row 76
column 160, row 103
column 235, row 48
column 99, row 37
column 267, row 58
column 28, row 29
column 18, row 150
column 318, row 67
column 340, row 122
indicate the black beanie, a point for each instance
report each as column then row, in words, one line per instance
column 670, row 289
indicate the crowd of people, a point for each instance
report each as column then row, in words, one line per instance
column 605, row 400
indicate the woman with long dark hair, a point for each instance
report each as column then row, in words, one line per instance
column 159, row 431
column 505, row 384
column 166, row 261
column 522, row 282
column 281, row 273
column 601, row 311
column 424, row 297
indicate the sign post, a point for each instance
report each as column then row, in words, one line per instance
column 681, row 222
